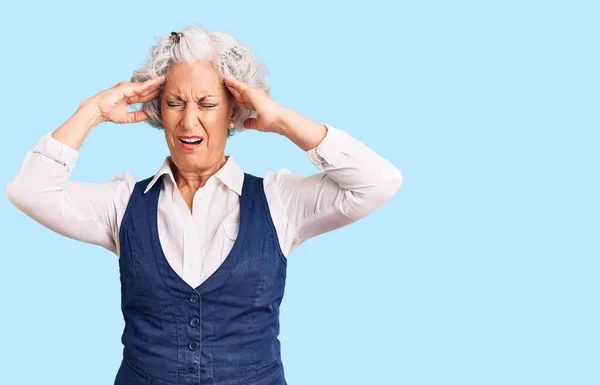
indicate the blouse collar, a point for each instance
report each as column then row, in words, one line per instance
column 231, row 175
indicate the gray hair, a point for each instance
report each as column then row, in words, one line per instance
column 230, row 59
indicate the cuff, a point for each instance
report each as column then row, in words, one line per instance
column 330, row 150
column 57, row 151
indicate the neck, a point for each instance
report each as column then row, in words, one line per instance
column 194, row 179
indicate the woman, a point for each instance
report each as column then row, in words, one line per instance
column 202, row 246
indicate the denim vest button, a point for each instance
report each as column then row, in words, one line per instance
column 255, row 259
column 194, row 322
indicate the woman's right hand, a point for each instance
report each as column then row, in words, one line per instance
column 111, row 104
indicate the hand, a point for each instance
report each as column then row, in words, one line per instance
column 111, row 104
column 267, row 110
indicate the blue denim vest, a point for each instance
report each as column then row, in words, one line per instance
column 223, row 332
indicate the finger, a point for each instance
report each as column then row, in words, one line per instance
column 158, row 82
column 130, row 92
column 149, row 85
column 232, row 87
column 236, row 94
column 143, row 86
column 137, row 90
column 243, row 104
column 250, row 123
column 240, row 98
column 136, row 116
column 145, row 97
column 154, row 82
column 158, row 79
column 150, row 90
column 230, row 82
column 148, row 97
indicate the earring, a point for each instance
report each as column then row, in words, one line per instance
column 231, row 126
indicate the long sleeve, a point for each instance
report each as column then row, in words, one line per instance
column 353, row 183
column 87, row 212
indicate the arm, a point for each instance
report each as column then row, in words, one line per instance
column 42, row 189
column 83, row 211
column 354, row 180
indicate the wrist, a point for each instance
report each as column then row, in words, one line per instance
column 283, row 121
column 89, row 112
column 74, row 131
column 304, row 132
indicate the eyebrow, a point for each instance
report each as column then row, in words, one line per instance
column 201, row 99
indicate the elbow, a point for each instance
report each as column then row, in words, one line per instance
column 19, row 196
column 391, row 181
column 359, row 205
column 396, row 182
column 10, row 192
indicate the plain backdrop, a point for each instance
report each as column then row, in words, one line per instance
column 483, row 269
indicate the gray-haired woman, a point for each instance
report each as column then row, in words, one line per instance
column 202, row 245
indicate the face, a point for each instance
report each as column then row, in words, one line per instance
column 196, row 116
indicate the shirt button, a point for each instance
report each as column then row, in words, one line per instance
column 194, row 298
column 194, row 322
column 194, row 345
column 192, row 369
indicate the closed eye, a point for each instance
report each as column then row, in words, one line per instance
column 205, row 105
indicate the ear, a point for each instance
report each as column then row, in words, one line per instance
column 234, row 111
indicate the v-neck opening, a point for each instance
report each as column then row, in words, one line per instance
column 162, row 259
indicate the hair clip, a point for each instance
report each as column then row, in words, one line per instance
column 236, row 54
column 176, row 36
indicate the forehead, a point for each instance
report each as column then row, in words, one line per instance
column 194, row 78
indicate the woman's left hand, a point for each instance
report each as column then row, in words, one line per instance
column 267, row 110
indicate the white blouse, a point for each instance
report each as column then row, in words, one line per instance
column 353, row 182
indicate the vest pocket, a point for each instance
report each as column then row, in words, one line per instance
column 231, row 232
column 135, row 376
column 270, row 374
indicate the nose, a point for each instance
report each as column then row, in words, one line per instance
column 191, row 118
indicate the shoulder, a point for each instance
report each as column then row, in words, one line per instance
column 124, row 181
column 276, row 180
column 275, row 177
column 279, row 183
column 122, row 185
column 271, row 178
column 270, row 182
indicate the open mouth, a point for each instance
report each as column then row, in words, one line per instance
column 190, row 142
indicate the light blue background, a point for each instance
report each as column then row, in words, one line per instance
column 483, row 269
